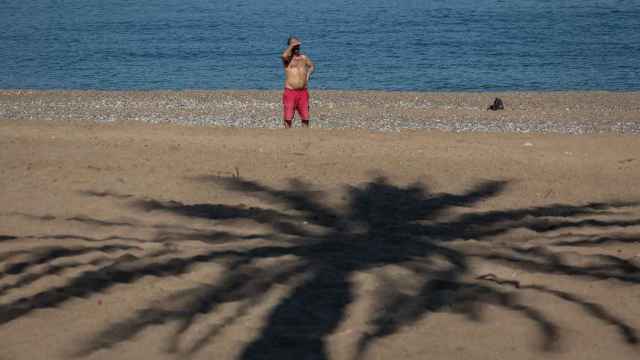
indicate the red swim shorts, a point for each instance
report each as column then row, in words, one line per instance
column 295, row 100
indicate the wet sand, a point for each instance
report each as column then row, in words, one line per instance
column 133, row 240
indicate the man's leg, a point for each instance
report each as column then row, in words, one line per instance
column 288, row 107
column 303, row 108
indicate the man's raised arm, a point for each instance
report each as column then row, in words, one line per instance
column 288, row 53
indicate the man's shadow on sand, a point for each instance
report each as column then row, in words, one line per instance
column 317, row 249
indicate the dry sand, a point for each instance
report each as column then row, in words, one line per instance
column 131, row 240
column 548, row 112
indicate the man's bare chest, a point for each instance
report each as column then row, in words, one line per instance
column 297, row 63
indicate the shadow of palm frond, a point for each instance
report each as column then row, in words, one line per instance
column 379, row 225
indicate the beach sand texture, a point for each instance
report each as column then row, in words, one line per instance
column 545, row 112
column 132, row 240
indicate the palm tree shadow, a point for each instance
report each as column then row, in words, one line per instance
column 380, row 224
column 378, row 228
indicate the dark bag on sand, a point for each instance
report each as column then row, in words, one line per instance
column 497, row 105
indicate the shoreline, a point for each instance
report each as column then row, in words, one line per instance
column 572, row 112
column 236, row 90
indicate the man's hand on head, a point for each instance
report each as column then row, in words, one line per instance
column 295, row 43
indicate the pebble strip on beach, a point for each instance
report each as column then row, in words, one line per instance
column 525, row 112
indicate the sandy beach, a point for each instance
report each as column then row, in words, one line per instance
column 174, row 225
column 541, row 112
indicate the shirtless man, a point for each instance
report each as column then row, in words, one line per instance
column 297, row 69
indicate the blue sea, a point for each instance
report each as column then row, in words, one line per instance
column 438, row 45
